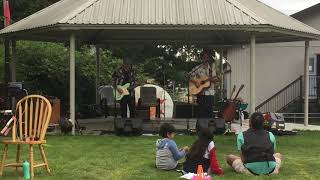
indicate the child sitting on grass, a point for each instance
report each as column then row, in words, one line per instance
column 168, row 154
column 203, row 152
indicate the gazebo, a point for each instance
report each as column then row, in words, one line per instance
column 218, row 23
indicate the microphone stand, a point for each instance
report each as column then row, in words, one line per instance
column 164, row 94
column 161, row 68
column 188, row 77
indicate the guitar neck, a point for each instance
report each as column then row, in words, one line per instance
column 236, row 95
column 238, row 92
column 210, row 79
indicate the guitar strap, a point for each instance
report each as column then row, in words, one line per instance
column 210, row 74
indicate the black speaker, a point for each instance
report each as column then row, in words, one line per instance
column 216, row 126
column 148, row 96
column 15, row 89
column 186, row 111
column 220, row 125
column 142, row 112
column 125, row 126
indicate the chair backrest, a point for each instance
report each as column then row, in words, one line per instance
column 106, row 92
column 33, row 114
column 148, row 96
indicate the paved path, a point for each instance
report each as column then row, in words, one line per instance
column 235, row 127
column 292, row 126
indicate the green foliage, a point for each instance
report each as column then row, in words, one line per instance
column 44, row 67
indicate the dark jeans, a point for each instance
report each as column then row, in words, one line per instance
column 127, row 100
column 205, row 108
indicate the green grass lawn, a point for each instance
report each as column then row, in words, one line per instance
column 111, row 157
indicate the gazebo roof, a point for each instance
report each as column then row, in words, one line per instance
column 197, row 21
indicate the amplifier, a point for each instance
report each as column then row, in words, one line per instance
column 142, row 112
column 186, row 111
column 126, row 126
column 216, row 126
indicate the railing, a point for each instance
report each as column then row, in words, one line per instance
column 283, row 98
column 314, row 118
column 314, row 83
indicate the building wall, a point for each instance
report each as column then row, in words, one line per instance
column 310, row 16
column 277, row 65
column 313, row 21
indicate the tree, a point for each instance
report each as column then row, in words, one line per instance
column 44, row 69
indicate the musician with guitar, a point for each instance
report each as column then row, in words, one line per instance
column 124, row 81
column 201, row 84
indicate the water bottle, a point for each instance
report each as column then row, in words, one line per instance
column 26, row 170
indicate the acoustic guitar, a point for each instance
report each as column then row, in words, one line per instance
column 121, row 91
column 229, row 112
column 204, row 82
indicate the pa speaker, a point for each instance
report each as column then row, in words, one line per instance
column 125, row 126
column 186, row 111
column 216, row 126
column 148, row 96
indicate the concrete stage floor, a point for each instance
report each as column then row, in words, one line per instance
column 98, row 126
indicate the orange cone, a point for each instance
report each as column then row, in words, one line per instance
column 200, row 175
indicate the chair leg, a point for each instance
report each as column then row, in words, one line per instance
column 44, row 158
column 4, row 155
column 18, row 155
column 31, row 161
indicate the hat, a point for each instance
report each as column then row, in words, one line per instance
column 151, row 81
column 205, row 51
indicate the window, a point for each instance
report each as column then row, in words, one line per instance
column 311, row 64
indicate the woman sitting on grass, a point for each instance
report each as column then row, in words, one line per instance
column 203, row 152
column 257, row 148
column 168, row 153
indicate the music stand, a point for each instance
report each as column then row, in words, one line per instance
column 15, row 91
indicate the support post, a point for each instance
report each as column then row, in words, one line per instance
column 6, row 64
column 97, row 74
column 6, row 52
column 221, row 71
column 306, row 83
column 13, row 61
column 72, row 81
column 13, row 70
column 252, row 73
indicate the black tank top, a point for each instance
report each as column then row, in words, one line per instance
column 257, row 146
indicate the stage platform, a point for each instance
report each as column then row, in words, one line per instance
column 106, row 125
column 99, row 126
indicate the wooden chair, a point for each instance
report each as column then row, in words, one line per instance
column 33, row 114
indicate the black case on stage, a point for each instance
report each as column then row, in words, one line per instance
column 216, row 125
column 126, row 126
column 186, row 111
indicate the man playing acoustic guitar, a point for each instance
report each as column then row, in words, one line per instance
column 124, row 81
column 202, row 81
